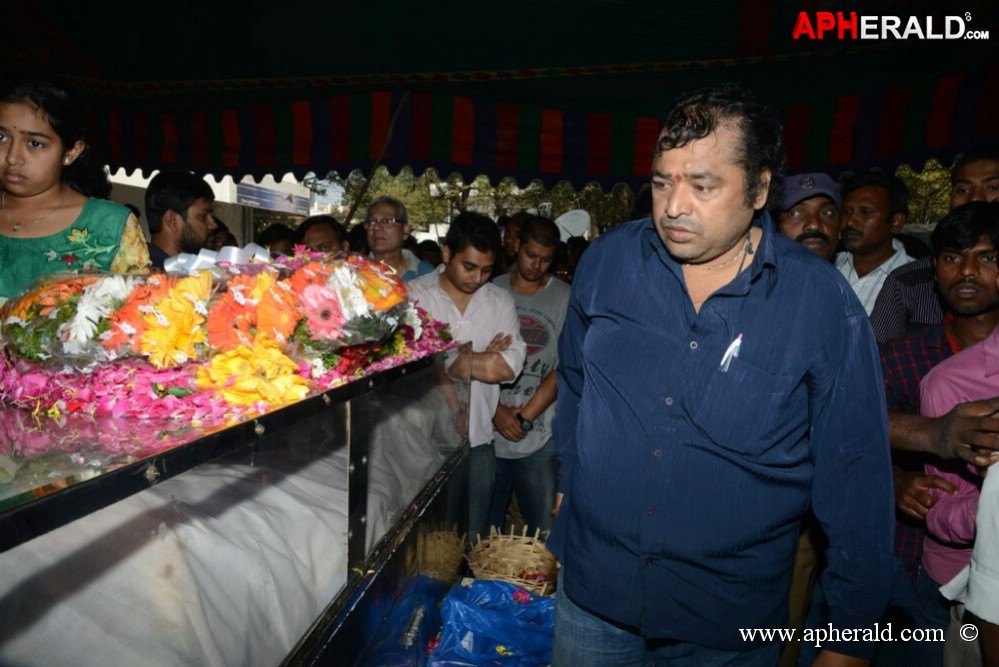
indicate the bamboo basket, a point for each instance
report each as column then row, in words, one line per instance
column 440, row 554
column 518, row 559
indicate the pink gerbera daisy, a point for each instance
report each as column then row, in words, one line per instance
column 322, row 312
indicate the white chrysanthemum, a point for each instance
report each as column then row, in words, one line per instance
column 343, row 281
column 318, row 367
column 412, row 319
column 98, row 300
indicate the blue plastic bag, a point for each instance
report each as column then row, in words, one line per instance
column 494, row 623
column 400, row 626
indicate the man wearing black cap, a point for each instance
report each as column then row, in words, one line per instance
column 809, row 213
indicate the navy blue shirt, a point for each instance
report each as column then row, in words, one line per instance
column 157, row 256
column 685, row 482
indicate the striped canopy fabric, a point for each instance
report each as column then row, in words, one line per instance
column 533, row 89
column 456, row 133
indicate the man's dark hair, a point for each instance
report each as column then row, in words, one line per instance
column 323, row 219
column 697, row 114
column 898, row 194
column 274, row 233
column 520, row 218
column 540, row 229
column 357, row 237
column 173, row 191
column 990, row 154
column 965, row 225
column 428, row 250
column 473, row 229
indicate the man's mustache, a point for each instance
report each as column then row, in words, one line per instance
column 805, row 236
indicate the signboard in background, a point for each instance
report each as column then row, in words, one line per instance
column 272, row 200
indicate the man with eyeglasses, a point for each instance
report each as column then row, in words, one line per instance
column 387, row 225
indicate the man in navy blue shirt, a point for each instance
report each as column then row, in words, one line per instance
column 715, row 379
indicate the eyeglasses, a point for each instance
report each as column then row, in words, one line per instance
column 371, row 223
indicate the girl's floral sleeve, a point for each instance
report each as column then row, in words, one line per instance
column 133, row 253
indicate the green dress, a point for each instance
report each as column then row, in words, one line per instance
column 89, row 244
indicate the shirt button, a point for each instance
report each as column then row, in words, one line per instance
column 693, row 345
column 668, row 400
column 650, row 511
column 658, row 453
column 648, row 562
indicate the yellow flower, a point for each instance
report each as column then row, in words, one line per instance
column 175, row 325
column 79, row 236
column 247, row 376
column 173, row 333
column 195, row 290
column 264, row 282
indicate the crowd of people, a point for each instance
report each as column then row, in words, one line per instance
column 759, row 404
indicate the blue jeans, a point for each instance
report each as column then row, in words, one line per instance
column 932, row 612
column 583, row 639
column 533, row 478
column 481, row 477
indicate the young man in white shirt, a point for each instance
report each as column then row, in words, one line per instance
column 459, row 293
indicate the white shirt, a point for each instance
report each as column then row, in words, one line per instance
column 867, row 288
column 977, row 585
column 490, row 311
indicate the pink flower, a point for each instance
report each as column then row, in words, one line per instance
column 520, row 596
column 322, row 313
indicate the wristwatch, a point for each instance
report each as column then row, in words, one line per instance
column 525, row 424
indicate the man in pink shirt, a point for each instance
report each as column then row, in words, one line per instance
column 969, row 375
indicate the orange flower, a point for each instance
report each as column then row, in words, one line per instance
column 229, row 324
column 313, row 273
column 50, row 296
column 127, row 323
column 278, row 312
column 381, row 290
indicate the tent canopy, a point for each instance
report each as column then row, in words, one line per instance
column 548, row 89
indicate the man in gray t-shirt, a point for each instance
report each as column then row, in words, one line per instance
column 526, row 457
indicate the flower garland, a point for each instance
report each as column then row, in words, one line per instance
column 204, row 348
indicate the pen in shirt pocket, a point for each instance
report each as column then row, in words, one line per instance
column 731, row 353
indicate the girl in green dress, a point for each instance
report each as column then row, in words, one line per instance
column 53, row 215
